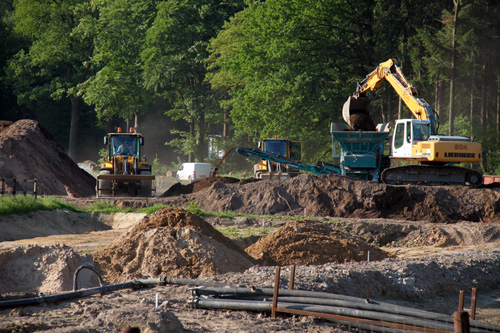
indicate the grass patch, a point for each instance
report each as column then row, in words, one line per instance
column 20, row 204
column 244, row 233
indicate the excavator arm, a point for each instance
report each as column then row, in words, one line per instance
column 390, row 72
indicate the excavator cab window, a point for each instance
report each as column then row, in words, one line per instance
column 399, row 135
column 420, row 132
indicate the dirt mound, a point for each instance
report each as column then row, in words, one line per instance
column 178, row 188
column 362, row 122
column 28, row 151
column 337, row 196
column 48, row 269
column 170, row 242
column 312, row 243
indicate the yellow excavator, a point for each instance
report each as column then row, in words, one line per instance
column 124, row 170
column 414, row 139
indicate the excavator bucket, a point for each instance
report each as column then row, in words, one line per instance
column 356, row 113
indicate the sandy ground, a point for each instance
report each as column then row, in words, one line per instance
column 426, row 246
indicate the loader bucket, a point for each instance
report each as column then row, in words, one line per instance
column 356, row 113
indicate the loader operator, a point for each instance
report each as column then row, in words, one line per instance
column 124, row 149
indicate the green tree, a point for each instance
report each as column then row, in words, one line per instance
column 174, row 58
column 475, row 93
column 288, row 66
column 58, row 57
column 117, row 89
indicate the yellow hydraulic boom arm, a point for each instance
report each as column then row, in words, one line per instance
column 390, row 72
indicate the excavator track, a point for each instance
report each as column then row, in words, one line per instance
column 431, row 175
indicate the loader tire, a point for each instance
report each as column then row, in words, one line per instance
column 146, row 185
column 104, row 185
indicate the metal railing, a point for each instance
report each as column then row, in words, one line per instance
column 13, row 186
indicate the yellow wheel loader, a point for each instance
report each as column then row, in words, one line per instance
column 266, row 168
column 125, row 170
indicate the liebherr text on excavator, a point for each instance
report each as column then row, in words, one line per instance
column 414, row 139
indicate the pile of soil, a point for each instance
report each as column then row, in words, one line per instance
column 362, row 122
column 312, row 243
column 178, row 188
column 337, row 196
column 43, row 269
column 28, row 151
column 170, row 242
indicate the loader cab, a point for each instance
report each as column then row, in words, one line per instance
column 124, row 144
column 282, row 147
column 407, row 133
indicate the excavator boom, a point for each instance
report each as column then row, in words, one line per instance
column 388, row 71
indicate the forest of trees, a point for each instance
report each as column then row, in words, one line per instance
column 233, row 72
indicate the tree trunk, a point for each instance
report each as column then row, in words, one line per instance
column 73, row 131
column 202, row 149
column 471, row 116
column 484, row 96
column 456, row 4
column 399, row 108
column 498, row 104
column 191, row 137
column 225, row 127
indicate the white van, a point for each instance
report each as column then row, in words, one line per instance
column 193, row 171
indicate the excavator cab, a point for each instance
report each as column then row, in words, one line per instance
column 407, row 134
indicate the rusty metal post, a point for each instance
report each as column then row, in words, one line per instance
column 35, row 188
column 14, row 186
column 292, row 278
column 275, row 293
column 473, row 302
column 461, row 322
column 461, row 300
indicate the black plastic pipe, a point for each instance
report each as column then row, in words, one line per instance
column 313, row 294
column 396, row 309
column 266, row 306
column 80, row 293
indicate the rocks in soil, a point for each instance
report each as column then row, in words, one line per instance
column 312, row 243
column 170, row 242
column 28, row 151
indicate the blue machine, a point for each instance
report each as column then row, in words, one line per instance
column 361, row 155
